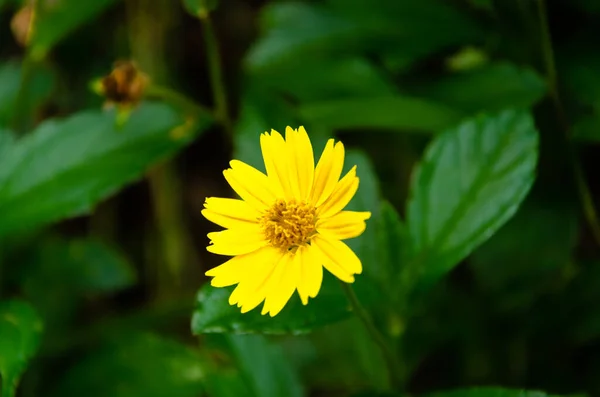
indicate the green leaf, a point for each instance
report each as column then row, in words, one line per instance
column 200, row 7
column 487, row 392
column 471, row 180
column 386, row 112
column 264, row 364
column 318, row 78
column 137, row 365
column 57, row 19
column 340, row 27
column 491, row 88
column 76, row 162
column 39, row 89
column 20, row 332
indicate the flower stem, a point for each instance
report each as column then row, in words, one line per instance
column 396, row 373
column 587, row 203
column 215, row 69
column 177, row 99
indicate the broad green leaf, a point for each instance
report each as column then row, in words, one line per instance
column 39, row 89
column 79, row 266
column 318, row 78
column 76, row 162
column 214, row 314
column 20, row 332
column 264, row 365
column 493, row 87
column 137, row 365
column 386, row 112
column 471, row 180
column 199, row 7
column 487, row 392
column 58, row 19
column 341, row 27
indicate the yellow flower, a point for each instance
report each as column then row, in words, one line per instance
column 288, row 225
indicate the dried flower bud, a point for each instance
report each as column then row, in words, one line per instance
column 21, row 25
column 125, row 85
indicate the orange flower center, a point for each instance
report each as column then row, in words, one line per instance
column 289, row 224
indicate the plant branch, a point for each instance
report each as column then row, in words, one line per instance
column 587, row 203
column 396, row 373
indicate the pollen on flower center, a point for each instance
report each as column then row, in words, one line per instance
column 289, row 224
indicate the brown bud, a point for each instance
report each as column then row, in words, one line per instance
column 21, row 25
column 125, row 85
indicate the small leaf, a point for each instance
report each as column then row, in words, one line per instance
column 264, row 364
column 138, row 364
column 387, row 112
column 470, row 182
column 76, row 162
column 20, row 332
column 491, row 88
column 39, row 90
column 487, row 392
column 57, row 19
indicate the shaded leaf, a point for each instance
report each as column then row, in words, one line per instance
column 264, row 364
column 57, row 19
column 20, row 332
column 492, row 88
column 470, row 182
column 387, row 112
column 39, row 89
column 487, row 392
column 137, row 365
column 76, row 162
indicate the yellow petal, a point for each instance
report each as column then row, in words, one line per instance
column 341, row 195
column 343, row 225
column 229, row 213
column 281, row 286
column 302, row 162
column 250, row 291
column 250, row 184
column 276, row 158
column 327, row 173
column 236, row 241
column 337, row 257
column 310, row 273
column 241, row 267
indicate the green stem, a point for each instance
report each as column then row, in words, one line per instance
column 589, row 210
column 396, row 374
column 19, row 122
column 177, row 99
column 216, row 74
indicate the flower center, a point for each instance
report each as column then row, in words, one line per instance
column 289, row 224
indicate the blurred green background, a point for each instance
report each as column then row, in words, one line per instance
column 102, row 244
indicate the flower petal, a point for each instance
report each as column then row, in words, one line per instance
column 236, row 241
column 240, row 268
column 281, row 286
column 250, row 184
column 251, row 289
column 311, row 273
column 229, row 213
column 341, row 195
column 328, row 171
column 343, row 225
column 302, row 162
column 275, row 156
column 337, row 257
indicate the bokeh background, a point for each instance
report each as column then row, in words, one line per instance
column 115, row 284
